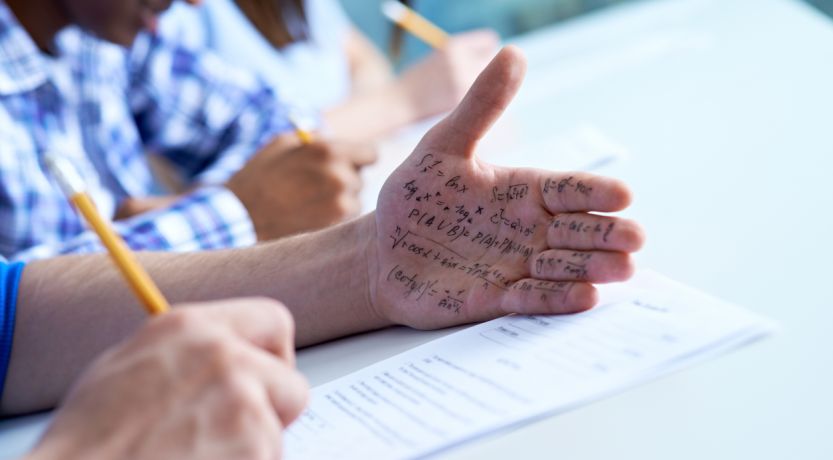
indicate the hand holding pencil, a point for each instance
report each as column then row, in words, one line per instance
column 227, row 368
column 179, row 371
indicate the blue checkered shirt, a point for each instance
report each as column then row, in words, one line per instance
column 104, row 107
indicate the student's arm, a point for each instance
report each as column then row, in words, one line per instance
column 453, row 240
column 432, row 86
column 214, row 382
column 369, row 68
column 212, row 121
column 72, row 308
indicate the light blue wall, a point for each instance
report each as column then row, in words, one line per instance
column 508, row 17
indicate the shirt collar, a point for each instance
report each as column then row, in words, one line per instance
column 22, row 65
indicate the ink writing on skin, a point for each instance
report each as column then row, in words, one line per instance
column 462, row 243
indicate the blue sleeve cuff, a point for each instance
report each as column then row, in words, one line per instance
column 9, row 280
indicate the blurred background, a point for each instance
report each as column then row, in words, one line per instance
column 508, row 17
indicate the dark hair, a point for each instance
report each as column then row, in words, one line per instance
column 397, row 36
column 281, row 22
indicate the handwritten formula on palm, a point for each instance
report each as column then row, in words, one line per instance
column 478, row 241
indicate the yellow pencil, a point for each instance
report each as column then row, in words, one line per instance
column 414, row 23
column 303, row 134
column 73, row 186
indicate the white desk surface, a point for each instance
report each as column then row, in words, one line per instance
column 726, row 110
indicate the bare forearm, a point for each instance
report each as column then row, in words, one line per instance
column 378, row 103
column 321, row 277
column 71, row 309
column 369, row 68
column 366, row 117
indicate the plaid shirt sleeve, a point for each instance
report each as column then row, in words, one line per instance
column 205, row 116
column 209, row 218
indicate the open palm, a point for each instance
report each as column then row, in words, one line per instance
column 460, row 240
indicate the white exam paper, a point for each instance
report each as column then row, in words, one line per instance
column 514, row 369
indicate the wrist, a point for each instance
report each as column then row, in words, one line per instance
column 404, row 100
column 326, row 279
column 359, row 120
column 367, row 258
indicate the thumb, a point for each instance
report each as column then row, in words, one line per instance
column 483, row 104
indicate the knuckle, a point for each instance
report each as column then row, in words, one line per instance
column 284, row 320
column 281, row 315
column 241, row 409
column 316, row 152
column 326, row 152
column 180, row 320
column 556, row 231
column 337, row 183
column 241, row 398
column 219, row 356
column 236, row 389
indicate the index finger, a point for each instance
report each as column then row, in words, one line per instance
column 583, row 192
column 266, row 323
